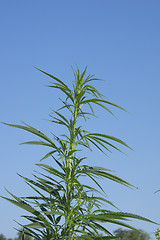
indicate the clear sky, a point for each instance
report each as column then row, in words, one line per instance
column 119, row 40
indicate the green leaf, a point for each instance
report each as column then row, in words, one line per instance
column 116, row 215
column 25, row 206
column 38, row 143
column 95, row 100
column 48, row 155
column 35, row 225
column 52, row 170
column 31, row 130
column 109, row 137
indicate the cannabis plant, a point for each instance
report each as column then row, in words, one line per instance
column 63, row 207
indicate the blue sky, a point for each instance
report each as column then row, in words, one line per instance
column 120, row 42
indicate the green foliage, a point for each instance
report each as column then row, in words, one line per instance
column 157, row 234
column 2, row 237
column 23, row 234
column 131, row 234
column 63, row 207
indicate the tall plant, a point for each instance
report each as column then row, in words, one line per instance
column 63, row 207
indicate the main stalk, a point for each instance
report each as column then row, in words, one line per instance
column 71, row 148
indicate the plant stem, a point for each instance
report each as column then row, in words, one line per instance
column 72, row 142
